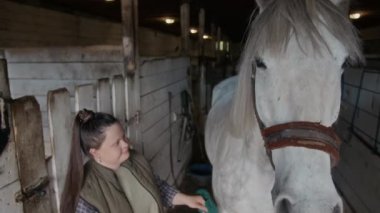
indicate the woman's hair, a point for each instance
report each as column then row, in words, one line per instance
column 88, row 132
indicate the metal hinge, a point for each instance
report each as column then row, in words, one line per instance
column 37, row 189
column 135, row 119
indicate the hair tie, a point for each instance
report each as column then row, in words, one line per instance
column 85, row 115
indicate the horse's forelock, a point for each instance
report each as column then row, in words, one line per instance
column 303, row 19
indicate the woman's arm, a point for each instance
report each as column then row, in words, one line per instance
column 167, row 191
column 171, row 196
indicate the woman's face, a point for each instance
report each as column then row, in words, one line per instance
column 114, row 149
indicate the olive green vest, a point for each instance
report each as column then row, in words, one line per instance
column 102, row 189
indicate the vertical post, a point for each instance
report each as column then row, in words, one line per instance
column 129, row 25
column 218, row 39
column 131, row 66
column 185, row 26
column 202, row 69
column 201, row 30
column 213, row 39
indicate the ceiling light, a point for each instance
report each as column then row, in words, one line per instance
column 193, row 30
column 169, row 20
column 206, row 37
column 355, row 15
column 109, row 0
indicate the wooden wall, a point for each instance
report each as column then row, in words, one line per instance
column 358, row 173
column 27, row 26
column 160, row 127
column 36, row 71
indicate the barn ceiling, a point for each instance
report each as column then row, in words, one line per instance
column 231, row 15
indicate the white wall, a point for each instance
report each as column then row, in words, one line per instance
column 358, row 173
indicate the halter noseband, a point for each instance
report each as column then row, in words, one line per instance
column 303, row 134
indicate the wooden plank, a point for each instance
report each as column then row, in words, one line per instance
column 154, row 99
column 155, row 82
column 153, row 116
column 160, row 164
column 133, row 106
column 158, row 66
column 185, row 26
column 372, row 81
column 118, row 98
column 60, row 122
column 104, row 53
column 65, row 70
column 366, row 122
column 201, row 31
column 104, row 96
column 350, row 93
column 151, row 134
column 154, row 43
column 370, row 102
column 24, row 87
column 153, row 147
column 27, row 127
column 9, row 180
column 85, row 97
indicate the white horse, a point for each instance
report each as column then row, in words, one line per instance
column 290, row 71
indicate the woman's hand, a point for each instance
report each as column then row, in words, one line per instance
column 192, row 201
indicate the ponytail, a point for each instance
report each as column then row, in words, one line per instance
column 74, row 177
column 88, row 132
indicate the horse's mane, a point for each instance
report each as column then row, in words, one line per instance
column 272, row 29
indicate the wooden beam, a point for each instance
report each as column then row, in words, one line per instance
column 218, row 39
column 28, row 137
column 185, row 26
column 131, row 64
column 201, row 17
column 129, row 28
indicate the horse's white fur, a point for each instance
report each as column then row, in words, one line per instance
column 241, row 168
column 301, row 83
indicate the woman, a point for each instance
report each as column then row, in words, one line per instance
column 115, row 179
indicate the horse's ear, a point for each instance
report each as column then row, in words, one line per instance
column 343, row 5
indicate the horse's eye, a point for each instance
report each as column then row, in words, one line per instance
column 346, row 64
column 260, row 63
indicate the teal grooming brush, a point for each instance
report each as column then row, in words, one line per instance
column 210, row 204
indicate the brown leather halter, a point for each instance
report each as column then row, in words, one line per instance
column 303, row 134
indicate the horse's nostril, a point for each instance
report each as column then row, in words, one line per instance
column 283, row 206
column 338, row 209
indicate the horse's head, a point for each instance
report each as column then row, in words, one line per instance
column 297, row 50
